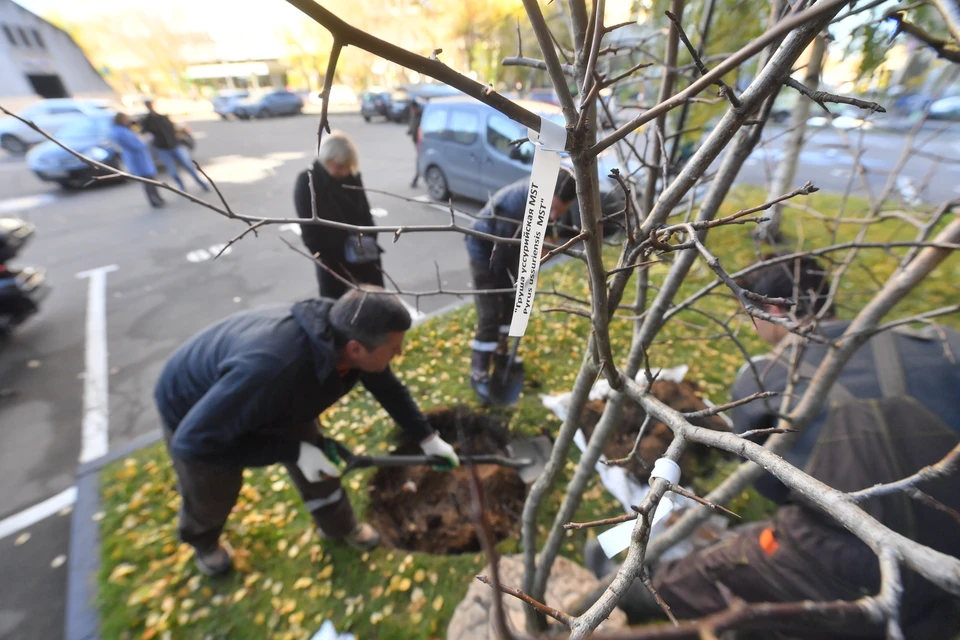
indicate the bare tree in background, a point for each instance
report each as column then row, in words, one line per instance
column 670, row 211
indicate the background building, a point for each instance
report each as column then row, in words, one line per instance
column 39, row 60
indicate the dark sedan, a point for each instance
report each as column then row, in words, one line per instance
column 374, row 104
column 89, row 136
column 402, row 96
column 277, row 103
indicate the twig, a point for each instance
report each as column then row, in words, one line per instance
column 725, row 89
column 822, row 97
column 533, row 63
column 712, row 411
column 223, row 201
column 627, row 517
column 688, row 494
column 568, row 244
column 327, row 86
column 576, row 312
column 634, row 452
column 648, row 583
column 764, row 432
column 629, row 72
column 931, row 472
column 238, row 237
column 559, row 616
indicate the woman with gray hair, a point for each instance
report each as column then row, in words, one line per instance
column 339, row 197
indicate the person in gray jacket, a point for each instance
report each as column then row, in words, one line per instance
column 893, row 410
column 247, row 392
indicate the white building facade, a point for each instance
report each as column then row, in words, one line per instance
column 39, row 60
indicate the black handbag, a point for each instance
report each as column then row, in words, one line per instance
column 358, row 249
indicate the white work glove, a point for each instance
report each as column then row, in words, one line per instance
column 437, row 446
column 314, row 464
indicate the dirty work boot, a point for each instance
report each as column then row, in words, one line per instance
column 480, row 374
column 363, row 537
column 214, row 562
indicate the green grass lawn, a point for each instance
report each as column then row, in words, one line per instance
column 288, row 581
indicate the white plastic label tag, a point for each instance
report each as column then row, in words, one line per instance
column 616, row 539
column 550, row 142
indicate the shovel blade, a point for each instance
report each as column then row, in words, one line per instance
column 506, row 386
column 537, row 450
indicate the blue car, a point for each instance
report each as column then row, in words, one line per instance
column 89, row 136
column 277, row 103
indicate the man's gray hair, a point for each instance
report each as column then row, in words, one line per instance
column 367, row 315
column 337, row 146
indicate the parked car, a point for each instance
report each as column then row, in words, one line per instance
column 266, row 105
column 465, row 150
column 225, row 102
column 946, row 109
column 401, row 97
column 89, row 135
column 375, row 103
column 50, row 115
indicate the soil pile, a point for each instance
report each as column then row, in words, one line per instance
column 420, row 509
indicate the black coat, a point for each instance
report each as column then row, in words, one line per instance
column 164, row 133
column 234, row 392
column 338, row 204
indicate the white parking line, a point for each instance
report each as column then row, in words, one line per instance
column 96, row 411
column 36, row 513
column 14, row 205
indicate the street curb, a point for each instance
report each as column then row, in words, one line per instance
column 82, row 617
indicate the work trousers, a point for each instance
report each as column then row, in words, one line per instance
column 209, row 492
column 494, row 311
column 171, row 158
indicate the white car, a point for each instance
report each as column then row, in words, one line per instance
column 16, row 137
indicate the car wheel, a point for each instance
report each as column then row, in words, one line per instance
column 437, row 184
column 12, row 144
column 265, row 113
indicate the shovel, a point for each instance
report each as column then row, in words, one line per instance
column 527, row 457
column 505, row 388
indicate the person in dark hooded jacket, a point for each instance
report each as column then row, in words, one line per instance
column 339, row 197
column 247, row 392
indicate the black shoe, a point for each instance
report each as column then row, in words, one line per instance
column 215, row 562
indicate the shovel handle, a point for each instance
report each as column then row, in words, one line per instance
column 361, row 462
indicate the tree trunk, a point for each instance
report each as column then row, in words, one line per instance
column 769, row 231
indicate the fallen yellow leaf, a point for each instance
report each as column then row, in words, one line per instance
column 404, row 585
column 302, row 583
column 326, row 572
column 240, row 594
column 121, row 570
column 438, row 603
column 419, row 575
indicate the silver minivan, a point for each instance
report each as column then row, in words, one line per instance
column 465, row 147
column 465, row 150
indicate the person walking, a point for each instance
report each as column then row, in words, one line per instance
column 413, row 130
column 136, row 156
column 247, row 392
column 171, row 153
column 338, row 196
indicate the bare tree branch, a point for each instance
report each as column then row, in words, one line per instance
column 725, row 89
column 557, row 615
column 533, row 63
column 943, row 468
column 944, row 48
column 821, row 97
column 951, row 16
column 712, row 411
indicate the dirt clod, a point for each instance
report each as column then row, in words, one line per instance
column 681, row 396
column 420, row 509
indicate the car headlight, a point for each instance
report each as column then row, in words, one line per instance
column 97, row 153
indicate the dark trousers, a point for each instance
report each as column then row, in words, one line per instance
column 494, row 311
column 209, row 492
column 792, row 558
column 333, row 287
column 153, row 194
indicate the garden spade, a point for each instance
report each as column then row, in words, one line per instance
column 507, row 385
column 527, row 457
